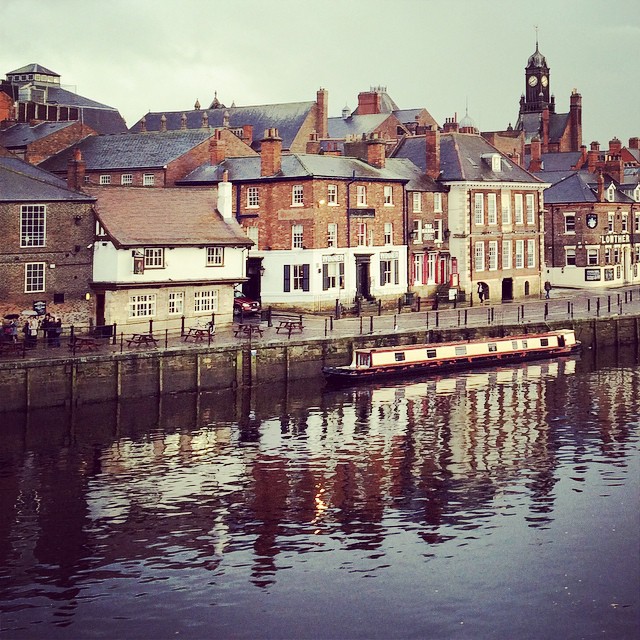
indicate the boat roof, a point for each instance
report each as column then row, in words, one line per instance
column 408, row 347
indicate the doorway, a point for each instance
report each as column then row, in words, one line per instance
column 507, row 289
column 363, row 276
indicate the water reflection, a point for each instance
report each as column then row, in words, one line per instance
column 242, row 487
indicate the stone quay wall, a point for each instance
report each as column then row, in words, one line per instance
column 98, row 378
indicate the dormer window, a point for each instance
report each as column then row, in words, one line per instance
column 611, row 193
column 494, row 160
column 636, row 194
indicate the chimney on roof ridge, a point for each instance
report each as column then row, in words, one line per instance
column 270, row 153
column 322, row 118
column 76, row 170
column 313, row 144
column 535, row 165
column 217, row 148
column 163, row 123
column 600, row 182
column 376, row 148
column 432, row 152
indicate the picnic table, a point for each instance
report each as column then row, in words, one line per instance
column 142, row 340
column 83, row 343
column 290, row 326
column 246, row 330
column 198, row 333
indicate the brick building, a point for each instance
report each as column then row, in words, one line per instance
column 46, row 243
column 326, row 228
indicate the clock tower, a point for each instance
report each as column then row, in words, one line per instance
column 537, row 90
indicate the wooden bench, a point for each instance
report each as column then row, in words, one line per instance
column 83, row 343
column 142, row 340
column 246, row 330
column 198, row 333
column 290, row 326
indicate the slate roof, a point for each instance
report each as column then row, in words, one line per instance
column 134, row 216
column 288, row 118
column 531, row 124
column 580, row 186
column 34, row 68
column 22, row 134
column 130, row 150
column 461, row 159
column 22, row 182
column 355, row 125
column 295, row 165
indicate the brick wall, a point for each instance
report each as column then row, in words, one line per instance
column 44, row 148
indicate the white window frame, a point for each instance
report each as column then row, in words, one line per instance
column 507, row 255
column 35, row 277
column 361, row 234
column 506, row 209
column 518, row 209
column 154, row 258
column 388, row 196
column 105, row 178
column 215, row 256
column 593, row 256
column 493, row 255
column 361, row 195
column 519, row 254
column 297, row 195
column 418, row 267
column 570, row 223
column 253, row 198
column 492, row 209
column 437, row 230
column 388, row 233
column 478, row 209
column 437, row 202
column 531, row 253
column 33, row 225
column 332, row 234
column 148, row 179
column 176, row 303
column 205, row 301
column 530, row 207
column 478, row 256
column 611, row 220
column 297, row 277
column 625, row 223
column 417, row 202
column 142, row 305
column 297, row 236
column 570, row 256
column 332, row 195
column 126, row 179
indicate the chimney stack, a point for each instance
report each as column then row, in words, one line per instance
column 368, row 103
column 163, row 123
column 225, row 198
column 432, row 144
column 634, row 143
column 535, row 164
column 76, row 171
column 313, row 144
column 376, row 149
column 575, row 114
column 322, row 121
column 615, row 146
column 600, row 182
column 217, row 148
column 270, row 153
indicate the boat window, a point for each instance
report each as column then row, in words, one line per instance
column 514, row 344
column 362, row 359
column 399, row 355
column 431, row 353
column 524, row 344
column 493, row 347
column 544, row 342
column 461, row 350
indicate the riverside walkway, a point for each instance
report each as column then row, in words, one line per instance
column 564, row 304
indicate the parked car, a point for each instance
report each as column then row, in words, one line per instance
column 244, row 304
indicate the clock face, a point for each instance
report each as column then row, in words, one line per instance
column 592, row 220
column 544, row 80
column 533, row 81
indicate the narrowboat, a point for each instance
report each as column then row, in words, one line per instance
column 379, row 362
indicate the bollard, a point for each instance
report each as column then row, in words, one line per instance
column 608, row 304
column 166, row 338
column 458, row 318
column 466, row 317
column 114, row 334
column 518, row 313
column 598, row 307
column 588, row 305
column 546, row 310
column 370, row 324
column 330, row 323
column 181, row 326
column 569, row 307
column 379, row 307
column 572, row 310
column 360, row 325
column 150, row 326
column 488, row 316
column 325, row 327
column 395, row 323
column 121, row 342
column 437, row 318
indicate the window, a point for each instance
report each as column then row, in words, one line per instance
column 461, row 350
column 611, row 220
column 611, row 193
column 431, row 353
column 33, row 225
column 417, row 201
column 493, row 347
column 389, row 268
column 637, row 223
column 388, row 196
column 34, row 277
column 607, row 255
column 297, row 236
column 388, row 233
column 332, row 234
column 616, row 255
column 105, row 179
column 531, row 253
column 215, row 256
column 332, row 194
column 496, row 163
column 569, row 222
column 519, row 254
column 530, row 200
column 570, row 256
column 362, row 234
column 518, row 208
column 126, row 179
column 297, row 195
column 492, row 209
column 592, row 257
column 332, row 272
column 398, row 356
column 506, row 254
column 493, row 255
column 437, row 230
column 176, row 302
column 418, row 266
column 361, row 196
column 154, row 258
column 142, row 305
column 437, row 203
column 478, row 253
column 296, row 277
column 478, row 208
column 506, row 209
column 148, row 180
column 253, row 198
column 625, row 223
column 205, row 300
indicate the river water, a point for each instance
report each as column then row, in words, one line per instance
column 489, row 504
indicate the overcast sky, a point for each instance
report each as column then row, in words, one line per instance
column 162, row 55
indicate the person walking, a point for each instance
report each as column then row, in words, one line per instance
column 480, row 292
column 547, row 290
